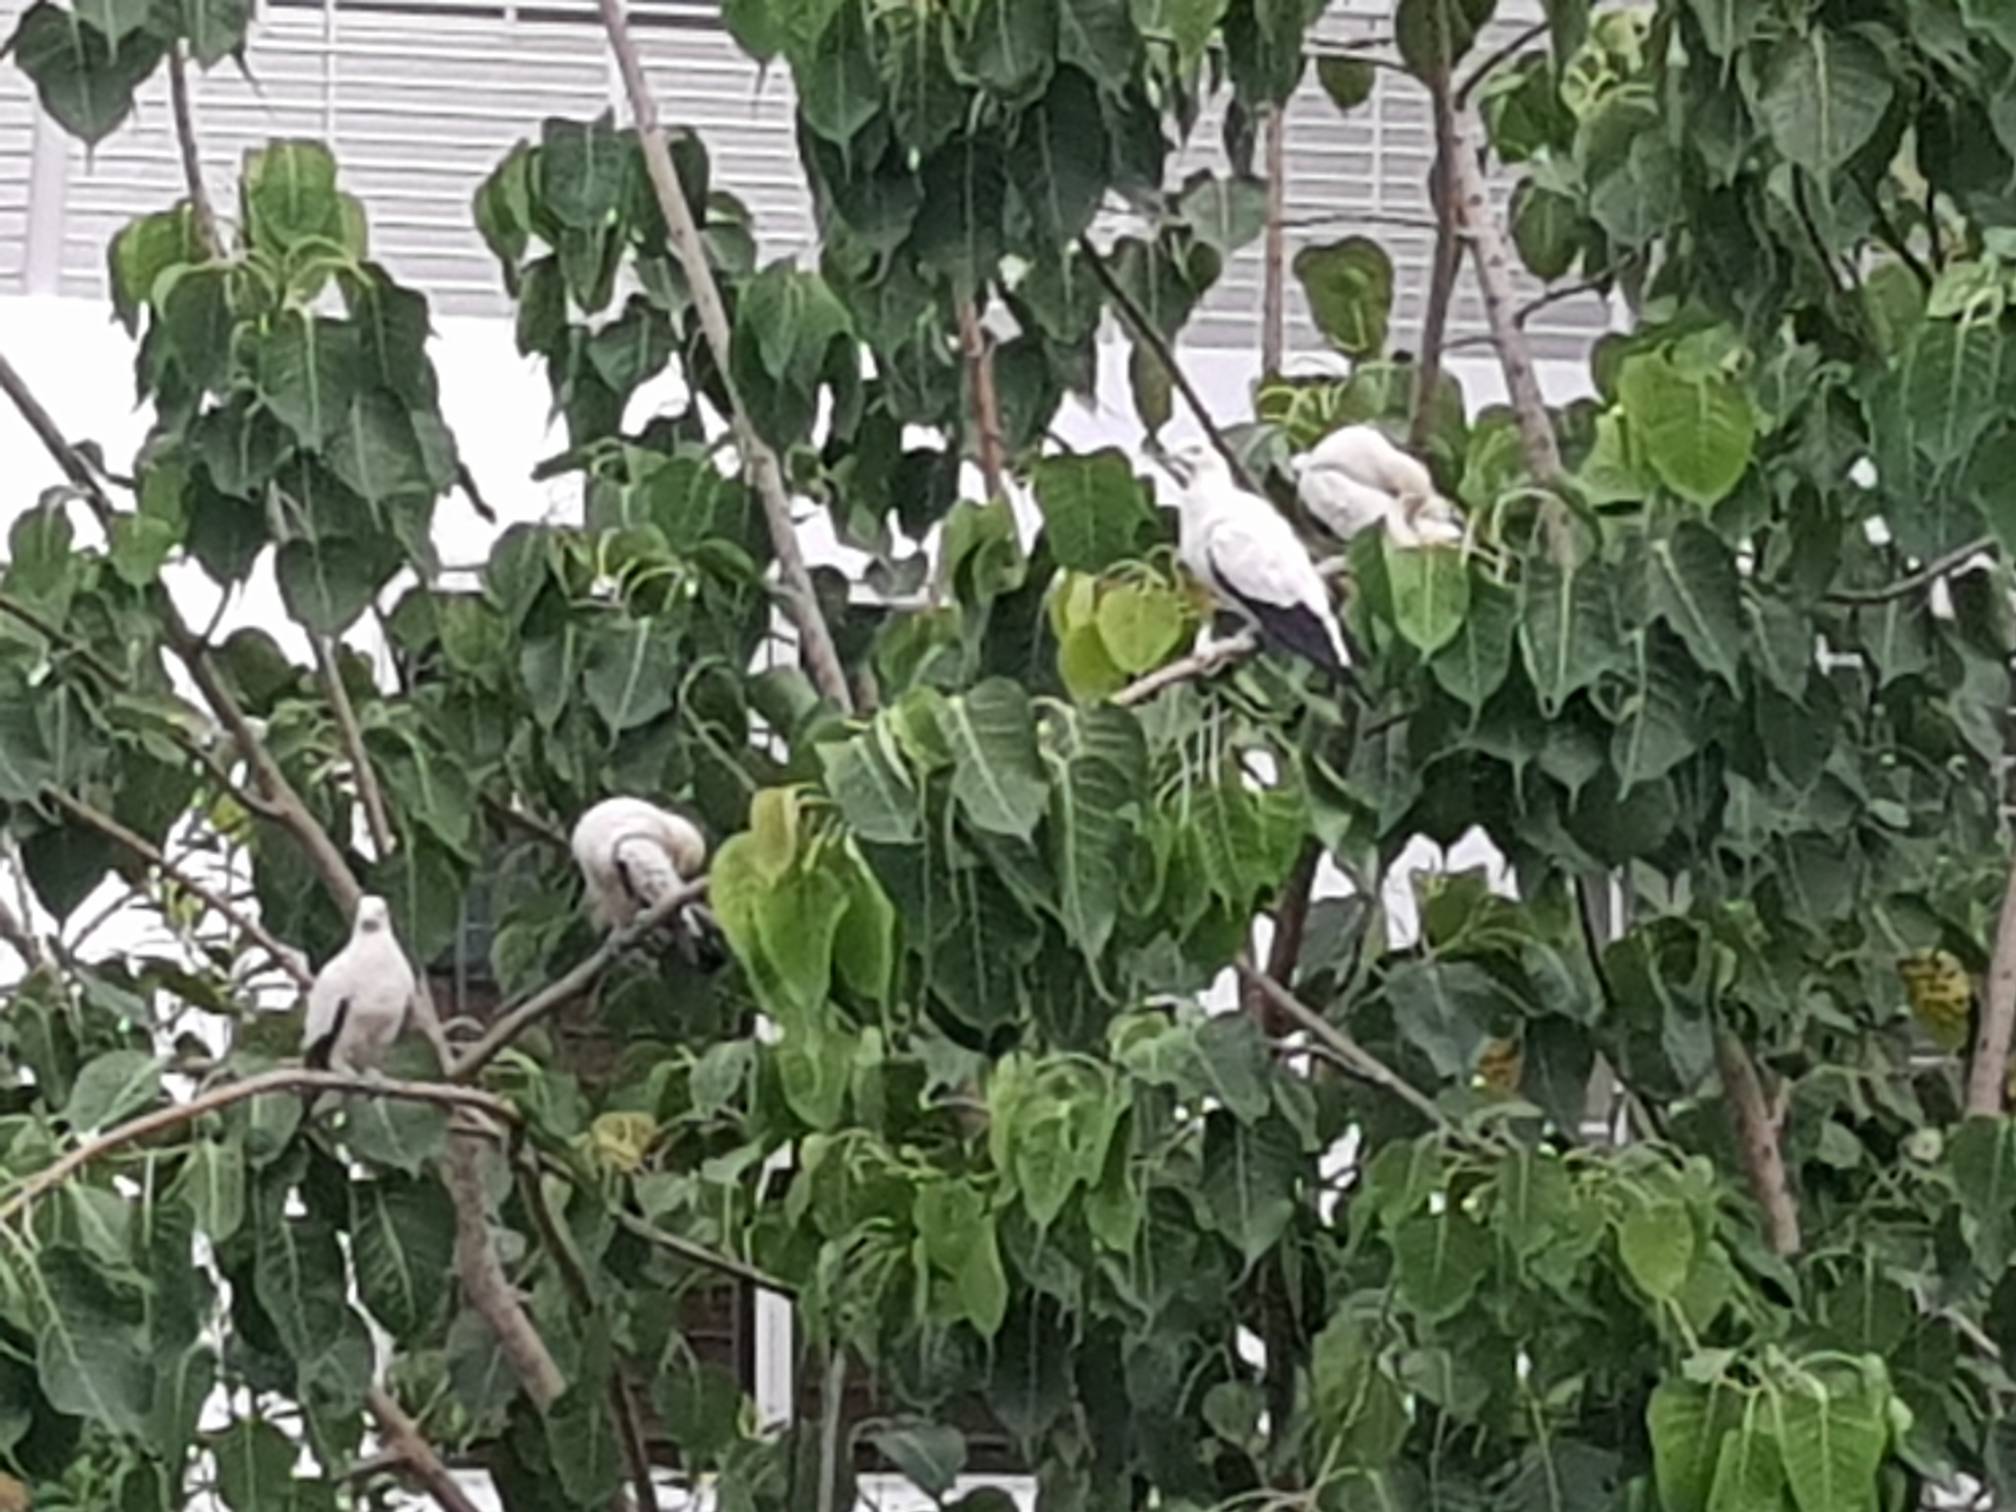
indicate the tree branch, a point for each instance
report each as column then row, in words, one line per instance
column 285, row 1079
column 1274, row 265
column 207, row 236
column 406, row 1446
column 147, row 851
column 1757, row 1138
column 557, row 994
column 1149, row 332
column 1198, row 664
column 800, row 600
column 368, row 792
column 1479, row 226
column 1924, row 577
column 1988, row 1065
column 1445, row 263
column 700, row 1255
column 1354, row 1055
column 986, row 403
column 1291, row 917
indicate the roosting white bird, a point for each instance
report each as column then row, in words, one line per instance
column 1240, row 547
column 358, row 1002
column 1354, row 478
column 632, row 854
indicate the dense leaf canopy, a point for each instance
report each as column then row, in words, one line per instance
column 1712, row 688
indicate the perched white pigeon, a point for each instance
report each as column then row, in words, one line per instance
column 1240, row 547
column 1354, row 478
column 631, row 854
column 357, row 1004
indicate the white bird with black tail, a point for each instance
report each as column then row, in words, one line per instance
column 1239, row 546
column 632, row 854
column 358, row 1002
column 1354, row 479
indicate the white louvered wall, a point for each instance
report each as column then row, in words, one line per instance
column 419, row 101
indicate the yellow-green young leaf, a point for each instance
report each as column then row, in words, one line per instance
column 949, row 1215
column 1656, row 1244
column 1349, row 285
column 1086, row 666
column 798, row 917
column 621, row 1140
column 773, row 831
column 1140, row 624
column 1073, row 601
column 864, row 948
column 983, row 1285
column 813, row 1061
column 1431, row 593
column 1750, row 1472
column 1698, row 430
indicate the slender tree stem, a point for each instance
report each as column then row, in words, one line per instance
column 800, row 599
column 405, row 1444
column 152, row 854
column 1147, row 331
column 207, row 235
column 1988, row 1065
column 1758, row 1137
column 1274, row 267
column 986, row 402
column 368, row 791
column 1924, row 577
column 1444, row 265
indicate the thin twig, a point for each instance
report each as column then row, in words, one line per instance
column 1198, row 664
column 986, row 403
column 406, row 1446
column 285, row 1079
column 1284, row 952
column 829, row 1425
column 1535, row 305
column 18, row 935
column 700, row 1255
column 39, row 421
column 152, row 854
column 1274, row 264
column 1361, row 1061
column 557, row 994
column 1758, row 1138
column 207, row 236
column 1924, row 577
column 1148, row 331
column 758, row 460
column 1988, row 1066
column 530, row 824
column 368, row 791
column 15, row 609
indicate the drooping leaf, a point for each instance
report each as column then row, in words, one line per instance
column 1349, row 284
column 997, row 776
column 112, row 1087
column 1824, row 94
column 1094, row 510
column 402, row 1235
column 1438, row 1261
column 1698, row 430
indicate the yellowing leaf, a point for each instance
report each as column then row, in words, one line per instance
column 621, row 1141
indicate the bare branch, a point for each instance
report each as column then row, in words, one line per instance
column 1757, row 1137
column 1988, row 1066
column 800, row 601
column 285, row 1079
column 16, row 933
column 1148, row 331
column 66, row 456
column 1274, row 263
column 1199, row 664
column 207, row 236
column 529, row 824
column 1478, row 224
column 557, row 994
column 1924, row 577
column 406, row 1447
column 1354, row 1055
column 352, row 733
column 1284, row 952
column 986, row 403
column 1447, row 260
column 147, row 851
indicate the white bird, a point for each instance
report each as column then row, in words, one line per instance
column 358, row 1001
column 1354, row 478
column 1240, row 547
column 632, row 854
